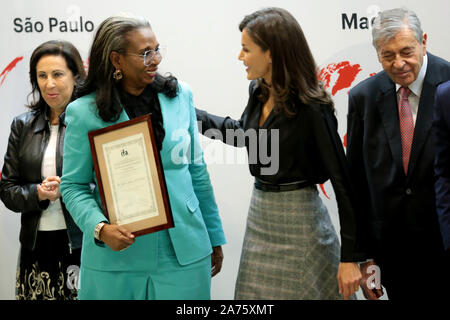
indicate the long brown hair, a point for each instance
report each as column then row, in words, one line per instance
column 293, row 66
column 74, row 63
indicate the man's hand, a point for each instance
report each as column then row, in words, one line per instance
column 369, row 286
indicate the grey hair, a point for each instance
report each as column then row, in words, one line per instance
column 389, row 22
column 112, row 35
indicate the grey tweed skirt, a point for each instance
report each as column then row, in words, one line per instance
column 290, row 251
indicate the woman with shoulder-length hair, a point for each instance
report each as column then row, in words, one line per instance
column 123, row 83
column 50, row 240
column 290, row 250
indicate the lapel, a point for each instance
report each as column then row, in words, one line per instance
column 123, row 117
column 424, row 116
column 41, row 120
column 170, row 109
column 387, row 105
column 423, row 124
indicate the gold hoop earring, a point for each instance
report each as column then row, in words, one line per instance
column 117, row 75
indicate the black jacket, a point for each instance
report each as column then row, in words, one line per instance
column 396, row 211
column 21, row 174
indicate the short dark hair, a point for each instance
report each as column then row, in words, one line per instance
column 61, row 48
column 294, row 71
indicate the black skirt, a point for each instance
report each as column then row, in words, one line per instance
column 50, row 271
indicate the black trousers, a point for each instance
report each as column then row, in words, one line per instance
column 416, row 274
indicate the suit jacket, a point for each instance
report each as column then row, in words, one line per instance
column 197, row 223
column 441, row 127
column 396, row 211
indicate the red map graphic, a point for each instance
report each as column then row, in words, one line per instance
column 3, row 75
column 8, row 69
column 346, row 75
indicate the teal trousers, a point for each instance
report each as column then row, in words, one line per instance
column 169, row 281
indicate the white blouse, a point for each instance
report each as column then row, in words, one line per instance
column 52, row 218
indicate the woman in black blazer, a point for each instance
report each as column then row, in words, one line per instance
column 290, row 250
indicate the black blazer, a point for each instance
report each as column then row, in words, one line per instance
column 395, row 210
column 441, row 126
column 21, row 174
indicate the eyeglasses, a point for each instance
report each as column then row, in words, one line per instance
column 149, row 55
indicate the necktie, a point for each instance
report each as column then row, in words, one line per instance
column 406, row 125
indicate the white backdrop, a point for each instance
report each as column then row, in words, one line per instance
column 203, row 43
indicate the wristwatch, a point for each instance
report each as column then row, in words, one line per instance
column 97, row 230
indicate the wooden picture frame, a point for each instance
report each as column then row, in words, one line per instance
column 130, row 176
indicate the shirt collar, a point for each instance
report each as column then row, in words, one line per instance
column 416, row 86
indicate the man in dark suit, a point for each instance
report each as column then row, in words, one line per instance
column 442, row 162
column 391, row 152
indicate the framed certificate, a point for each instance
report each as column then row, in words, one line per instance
column 130, row 177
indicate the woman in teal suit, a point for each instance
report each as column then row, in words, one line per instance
column 123, row 83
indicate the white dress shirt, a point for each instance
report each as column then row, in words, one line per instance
column 52, row 218
column 416, row 89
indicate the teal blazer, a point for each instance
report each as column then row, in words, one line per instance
column 198, row 227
